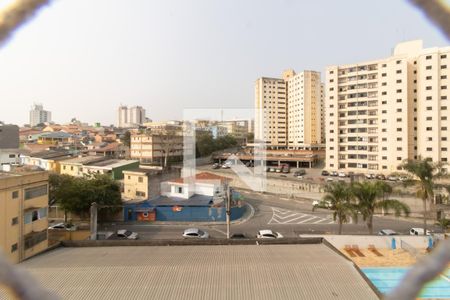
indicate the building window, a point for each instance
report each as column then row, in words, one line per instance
column 428, row 57
column 35, row 238
column 444, row 128
column 140, row 179
column 14, row 247
column 444, row 56
column 429, row 98
column 15, row 194
column 444, row 67
column 428, row 88
column 429, row 118
column 179, row 190
column 429, row 128
column 399, row 158
column 428, row 67
column 429, row 149
column 429, row 108
column 15, row 221
column 444, row 87
column 35, row 192
column 428, row 77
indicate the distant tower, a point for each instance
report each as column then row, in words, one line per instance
column 122, row 116
column 39, row 115
column 131, row 116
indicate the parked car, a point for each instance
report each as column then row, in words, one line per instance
column 123, row 233
column 285, row 168
column 325, row 173
column 392, row 178
column 272, row 169
column 216, row 166
column 195, row 233
column 238, row 236
column 63, row 226
column 342, row 174
column 278, row 169
column 381, row 177
column 268, row 234
column 334, row 173
column 330, row 179
column 387, row 232
column 225, row 166
column 418, row 231
column 324, row 204
column 300, row 172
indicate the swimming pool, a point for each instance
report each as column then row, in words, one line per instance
column 385, row 279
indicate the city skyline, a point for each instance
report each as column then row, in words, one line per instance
column 143, row 69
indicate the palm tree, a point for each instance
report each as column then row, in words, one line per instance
column 375, row 195
column 339, row 198
column 425, row 171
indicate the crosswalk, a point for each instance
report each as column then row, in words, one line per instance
column 282, row 216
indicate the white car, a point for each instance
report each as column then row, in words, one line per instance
column 317, row 203
column 387, row 232
column 63, row 226
column 268, row 234
column 195, row 233
column 342, row 174
column 418, row 231
column 123, row 233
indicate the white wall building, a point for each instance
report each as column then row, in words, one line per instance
column 381, row 112
column 129, row 117
column 39, row 115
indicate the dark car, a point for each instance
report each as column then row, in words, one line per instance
column 325, row 173
column 238, row 236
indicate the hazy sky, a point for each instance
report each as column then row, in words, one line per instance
column 82, row 58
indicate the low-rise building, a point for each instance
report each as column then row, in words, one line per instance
column 47, row 160
column 153, row 148
column 54, row 138
column 112, row 167
column 74, row 167
column 23, row 213
column 144, row 183
column 206, row 184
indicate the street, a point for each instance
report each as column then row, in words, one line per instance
column 290, row 217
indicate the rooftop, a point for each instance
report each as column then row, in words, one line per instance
column 111, row 163
column 194, row 272
column 194, row 200
column 85, row 160
column 204, row 176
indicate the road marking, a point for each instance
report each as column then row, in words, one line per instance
column 218, row 230
column 285, row 217
column 304, row 221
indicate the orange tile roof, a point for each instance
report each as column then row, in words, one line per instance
column 204, row 176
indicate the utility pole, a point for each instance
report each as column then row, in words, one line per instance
column 228, row 212
column 94, row 221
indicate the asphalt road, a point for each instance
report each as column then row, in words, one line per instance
column 290, row 217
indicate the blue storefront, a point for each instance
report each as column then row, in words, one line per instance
column 198, row 208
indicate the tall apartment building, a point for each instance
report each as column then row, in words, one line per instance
column 379, row 113
column 130, row 116
column 39, row 115
column 289, row 111
column 23, row 214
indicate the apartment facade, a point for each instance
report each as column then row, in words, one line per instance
column 379, row 113
column 152, row 148
column 290, row 111
column 23, row 214
column 39, row 115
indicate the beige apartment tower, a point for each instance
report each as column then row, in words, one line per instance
column 290, row 111
column 379, row 113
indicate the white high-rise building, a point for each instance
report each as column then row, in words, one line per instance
column 131, row 116
column 122, row 117
column 381, row 112
column 290, row 111
column 39, row 115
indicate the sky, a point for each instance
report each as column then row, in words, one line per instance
column 84, row 58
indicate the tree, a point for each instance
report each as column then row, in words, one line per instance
column 339, row 196
column 424, row 171
column 126, row 139
column 76, row 194
column 169, row 140
column 443, row 223
column 375, row 195
column 56, row 181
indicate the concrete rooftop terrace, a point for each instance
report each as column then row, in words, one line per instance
column 310, row 271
